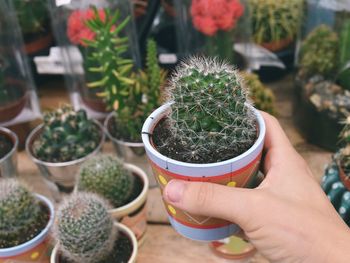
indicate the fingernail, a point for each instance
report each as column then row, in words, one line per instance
column 174, row 191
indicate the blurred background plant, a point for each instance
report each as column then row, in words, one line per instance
column 344, row 55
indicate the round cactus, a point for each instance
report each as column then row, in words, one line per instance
column 211, row 119
column 84, row 229
column 106, row 175
column 20, row 214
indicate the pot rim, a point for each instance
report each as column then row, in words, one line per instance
column 121, row 227
column 24, row 247
column 14, row 139
column 157, row 115
column 60, row 164
column 112, row 138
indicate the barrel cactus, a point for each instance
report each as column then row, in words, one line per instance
column 20, row 214
column 67, row 135
column 211, row 119
column 84, row 229
column 106, row 175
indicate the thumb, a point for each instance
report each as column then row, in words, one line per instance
column 214, row 200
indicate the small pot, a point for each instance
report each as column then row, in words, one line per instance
column 41, row 42
column 275, row 46
column 125, row 230
column 36, row 249
column 130, row 152
column 236, row 172
column 8, row 163
column 63, row 174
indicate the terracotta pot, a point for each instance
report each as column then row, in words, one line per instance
column 95, row 104
column 236, row 172
column 38, row 44
column 35, row 250
column 169, row 8
column 277, row 45
column 8, row 163
column 125, row 230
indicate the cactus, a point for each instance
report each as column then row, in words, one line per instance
column 262, row 96
column 273, row 21
column 106, row 175
column 84, row 229
column 344, row 55
column 211, row 119
column 67, row 135
column 319, row 52
column 20, row 214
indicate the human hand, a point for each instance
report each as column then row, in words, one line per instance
column 288, row 218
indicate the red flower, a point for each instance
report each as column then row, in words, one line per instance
column 76, row 27
column 209, row 16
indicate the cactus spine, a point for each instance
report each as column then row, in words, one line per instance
column 84, row 230
column 19, row 214
column 106, row 175
column 211, row 119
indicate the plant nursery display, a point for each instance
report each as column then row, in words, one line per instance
column 125, row 186
column 206, row 131
column 8, row 153
column 25, row 220
column 65, row 140
column 86, row 232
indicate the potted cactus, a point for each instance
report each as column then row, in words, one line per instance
column 86, row 232
column 25, row 222
column 64, row 141
column 124, row 185
column 8, row 153
column 206, row 131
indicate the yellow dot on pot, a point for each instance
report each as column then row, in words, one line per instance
column 34, row 255
column 172, row 209
column 162, row 179
column 232, row 184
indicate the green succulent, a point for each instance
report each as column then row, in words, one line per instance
column 344, row 55
column 319, row 52
column 211, row 119
column 106, row 175
column 273, row 21
column 84, row 229
column 20, row 214
column 262, row 97
column 66, row 135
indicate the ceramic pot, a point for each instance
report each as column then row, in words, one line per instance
column 236, row 172
column 8, row 163
column 63, row 174
column 36, row 249
column 125, row 230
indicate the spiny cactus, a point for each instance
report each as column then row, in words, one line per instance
column 344, row 55
column 67, row 135
column 262, row 96
column 84, row 229
column 106, row 175
column 211, row 119
column 319, row 52
column 20, row 214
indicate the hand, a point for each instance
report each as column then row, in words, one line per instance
column 288, row 218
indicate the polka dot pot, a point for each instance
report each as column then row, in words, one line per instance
column 240, row 171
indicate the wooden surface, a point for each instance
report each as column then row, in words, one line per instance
column 163, row 244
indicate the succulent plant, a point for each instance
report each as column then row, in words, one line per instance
column 344, row 55
column 20, row 214
column 319, row 52
column 84, row 229
column 273, row 21
column 262, row 96
column 106, row 175
column 211, row 119
column 66, row 135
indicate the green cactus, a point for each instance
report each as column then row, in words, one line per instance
column 262, row 96
column 319, row 52
column 211, row 119
column 67, row 135
column 84, row 229
column 106, row 175
column 344, row 55
column 273, row 21
column 20, row 214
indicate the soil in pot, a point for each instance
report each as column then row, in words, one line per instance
column 5, row 145
column 121, row 251
column 39, row 225
column 137, row 189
